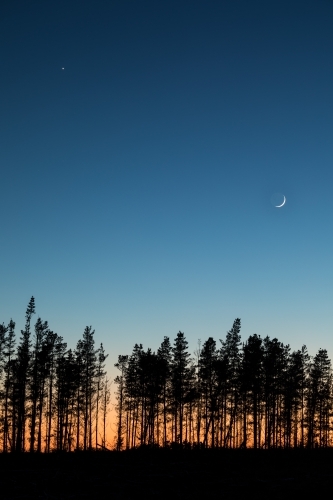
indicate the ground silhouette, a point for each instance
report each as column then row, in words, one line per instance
column 167, row 474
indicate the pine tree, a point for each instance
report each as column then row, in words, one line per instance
column 100, row 377
column 230, row 351
column 164, row 354
column 89, row 368
column 8, row 382
column 120, row 381
column 295, row 384
column 106, row 398
column 79, row 396
column 37, row 375
column 63, row 385
column 209, row 386
column 252, row 377
column 275, row 359
column 181, row 379
column 133, row 397
column 22, row 375
column 319, row 399
column 54, row 346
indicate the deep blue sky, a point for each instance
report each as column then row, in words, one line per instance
column 136, row 182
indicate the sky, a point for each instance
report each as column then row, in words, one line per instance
column 141, row 143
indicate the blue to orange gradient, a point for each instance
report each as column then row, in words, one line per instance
column 141, row 143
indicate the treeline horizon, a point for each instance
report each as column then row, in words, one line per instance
column 51, row 398
column 253, row 394
column 256, row 394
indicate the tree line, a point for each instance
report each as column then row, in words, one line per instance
column 256, row 394
column 51, row 397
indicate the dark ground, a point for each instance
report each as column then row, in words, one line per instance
column 168, row 474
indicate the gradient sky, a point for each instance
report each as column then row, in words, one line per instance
column 136, row 183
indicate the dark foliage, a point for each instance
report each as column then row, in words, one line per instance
column 257, row 394
column 51, row 398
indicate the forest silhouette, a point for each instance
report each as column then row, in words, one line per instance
column 52, row 398
column 253, row 394
column 240, row 419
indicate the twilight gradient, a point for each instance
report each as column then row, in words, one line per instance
column 141, row 142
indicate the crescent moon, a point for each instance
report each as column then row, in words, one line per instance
column 283, row 203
